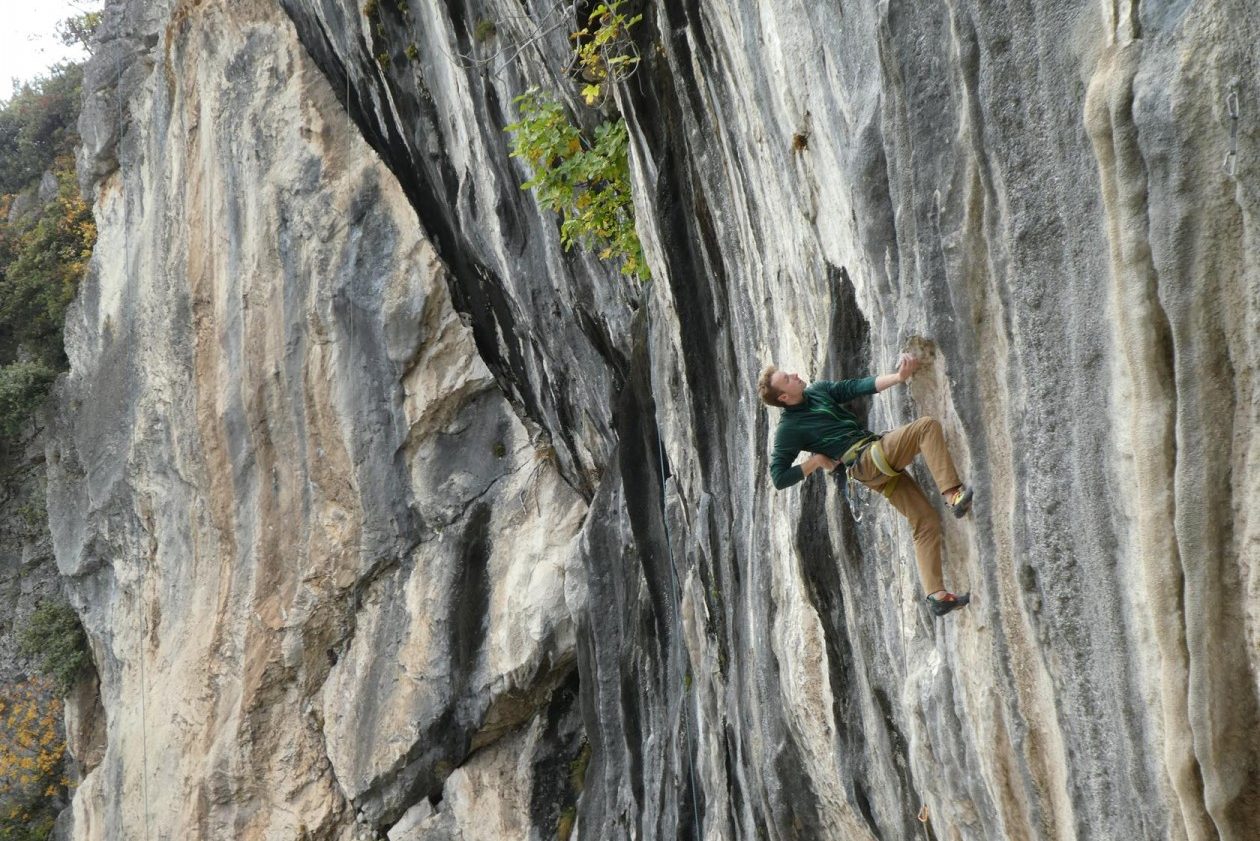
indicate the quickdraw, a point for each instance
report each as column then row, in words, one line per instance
column 853, row 457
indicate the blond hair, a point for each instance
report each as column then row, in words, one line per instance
column 767, row 392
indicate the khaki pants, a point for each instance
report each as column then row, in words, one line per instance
column 900, row 447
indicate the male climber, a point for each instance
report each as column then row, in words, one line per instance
column 814, row 420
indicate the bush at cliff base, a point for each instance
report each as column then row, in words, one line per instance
column 33, row 785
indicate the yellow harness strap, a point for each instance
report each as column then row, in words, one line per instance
column 881, row 462
column 851, row 454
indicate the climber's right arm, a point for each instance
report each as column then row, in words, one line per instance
column 786, row 474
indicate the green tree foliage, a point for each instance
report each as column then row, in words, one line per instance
column 584, row 178
column 42, row 259
column 55, row 636
column 38, row 126
column 46, row 236
column 45, row 240
column 23, row 386
column 78, row 30
column 605, row 51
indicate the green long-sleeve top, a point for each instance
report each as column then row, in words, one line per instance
column 818, row 424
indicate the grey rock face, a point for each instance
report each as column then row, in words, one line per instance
column 352, row 547
column 320, row 558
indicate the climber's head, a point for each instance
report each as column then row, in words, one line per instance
column 779, row 388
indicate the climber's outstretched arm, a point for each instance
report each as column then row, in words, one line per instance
column 906, row 366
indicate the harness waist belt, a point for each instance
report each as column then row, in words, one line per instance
column 854, row 453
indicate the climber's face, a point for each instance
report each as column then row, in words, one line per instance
column 791, row 387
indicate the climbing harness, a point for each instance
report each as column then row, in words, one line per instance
column 1230, row 164
column 852, row 458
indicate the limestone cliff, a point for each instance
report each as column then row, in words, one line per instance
column 388, row 517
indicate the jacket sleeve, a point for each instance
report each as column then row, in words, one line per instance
column 846, row 390
column 782, row 471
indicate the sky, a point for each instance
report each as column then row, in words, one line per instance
column 28, row 38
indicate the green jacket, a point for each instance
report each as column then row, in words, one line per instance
column 818, row 424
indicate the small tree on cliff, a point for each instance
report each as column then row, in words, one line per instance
column 585, row 176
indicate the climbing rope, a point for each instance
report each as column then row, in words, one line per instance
column 676, row 592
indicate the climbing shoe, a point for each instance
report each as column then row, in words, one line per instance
column 946, row 603
column 960, row 501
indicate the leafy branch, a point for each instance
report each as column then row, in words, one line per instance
column 586, row 179
column 605, row 51
column 55, row 635
column 585, row 176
